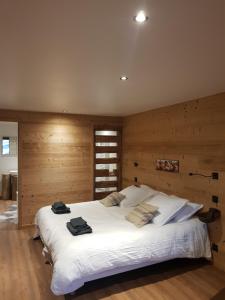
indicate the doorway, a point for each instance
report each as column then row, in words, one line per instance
column 107, row 161
column 9, row 172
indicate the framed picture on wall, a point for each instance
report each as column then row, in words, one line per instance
column 167, row 165
column 8, row 146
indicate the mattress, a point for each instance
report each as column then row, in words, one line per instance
column 115, row 245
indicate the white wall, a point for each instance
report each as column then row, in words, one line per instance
column 8, row 163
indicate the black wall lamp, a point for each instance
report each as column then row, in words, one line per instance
column 214, row 175
column 135, row 178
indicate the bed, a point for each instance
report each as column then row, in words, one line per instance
column 115, row 246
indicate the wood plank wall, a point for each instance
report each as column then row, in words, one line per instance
column 192, row 132
column 56, row 158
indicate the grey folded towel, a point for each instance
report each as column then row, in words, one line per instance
column 61, row 211
column 75, row 231
column 58, row 205
column 60, row 208
column 78, row 222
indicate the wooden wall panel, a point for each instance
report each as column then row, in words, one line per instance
column 192, row 132
column 55, row 158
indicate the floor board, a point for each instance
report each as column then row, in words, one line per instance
column 179, row 279
column 24, row 275
column 4, row 204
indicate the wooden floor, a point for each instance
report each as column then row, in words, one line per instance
column 25, row 276
column 4, row 204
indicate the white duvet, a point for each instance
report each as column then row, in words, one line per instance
column 115, row 244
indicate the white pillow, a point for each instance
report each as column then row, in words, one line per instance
column 135, row 195
column 168, row 207
column 187, row 212
column 148, row 189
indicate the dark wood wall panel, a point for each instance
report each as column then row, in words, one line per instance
column 192, row 132
column 55, row 158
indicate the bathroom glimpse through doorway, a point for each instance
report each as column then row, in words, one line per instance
column 8, row 172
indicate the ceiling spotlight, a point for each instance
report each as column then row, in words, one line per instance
column 123, row 78
column 140, row 17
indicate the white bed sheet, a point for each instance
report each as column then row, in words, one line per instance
column 115, row 245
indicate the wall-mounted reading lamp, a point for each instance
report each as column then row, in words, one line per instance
column 135, row 178
column 214, row 175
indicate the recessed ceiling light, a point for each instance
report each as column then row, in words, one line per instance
column 140, row 17
column 124, row 78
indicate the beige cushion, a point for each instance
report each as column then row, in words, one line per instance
column 147, row 207
column 113, row 199
column 118, row 196
column 142, row 214
column 138, row 220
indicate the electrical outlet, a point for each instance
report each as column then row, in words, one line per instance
column 215, row 247
column 215, row 199
column 215, row 175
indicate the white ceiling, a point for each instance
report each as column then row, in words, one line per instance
column 68, row 55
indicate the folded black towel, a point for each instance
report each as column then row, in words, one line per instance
column 74, row 231
column 78, row 222
column 65, row 210
column 58, row 205
column 60, row 208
